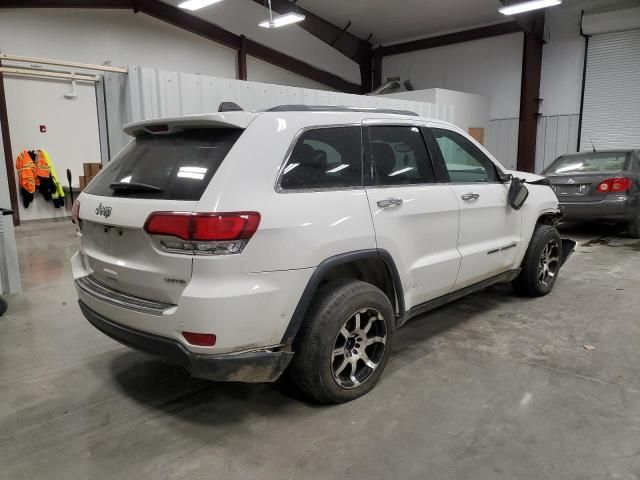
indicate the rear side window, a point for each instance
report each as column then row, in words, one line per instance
column 325, row 158
column 178, row 166
column 400, row 156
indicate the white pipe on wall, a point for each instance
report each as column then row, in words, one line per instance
column 62, row 63
column 24, row 72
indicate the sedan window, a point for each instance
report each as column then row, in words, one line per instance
column 588, row 163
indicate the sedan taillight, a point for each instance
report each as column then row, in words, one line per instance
column 203, row 233
column 615, row 185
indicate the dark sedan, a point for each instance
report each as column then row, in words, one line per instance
column 601, row 185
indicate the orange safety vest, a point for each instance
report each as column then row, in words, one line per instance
column 26, row 172
column 41, row 167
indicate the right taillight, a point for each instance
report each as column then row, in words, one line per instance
column 615, row 185
column 202, row 233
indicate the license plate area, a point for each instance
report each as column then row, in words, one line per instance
column 573, row 189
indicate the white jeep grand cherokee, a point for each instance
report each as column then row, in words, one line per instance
column 239, row 245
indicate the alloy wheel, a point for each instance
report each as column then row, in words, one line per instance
column 549, row 263
column 359, row 348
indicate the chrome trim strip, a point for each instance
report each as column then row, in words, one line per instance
column 101, row 292
column 502, row 249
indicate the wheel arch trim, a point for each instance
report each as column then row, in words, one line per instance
column 343, row 258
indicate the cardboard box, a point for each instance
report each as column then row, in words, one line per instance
column 91, row 169
column 83, row 181
column 95, row 168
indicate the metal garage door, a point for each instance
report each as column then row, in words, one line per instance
column 611, row 115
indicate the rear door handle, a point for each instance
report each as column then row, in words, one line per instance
column 389, row 202
column 470, row 196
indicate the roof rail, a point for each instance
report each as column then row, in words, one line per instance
column 333, row 108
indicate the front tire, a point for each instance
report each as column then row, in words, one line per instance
column 343, row 347
column 541, row 263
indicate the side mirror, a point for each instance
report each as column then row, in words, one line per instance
column 518, row 193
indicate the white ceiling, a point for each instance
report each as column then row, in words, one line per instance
column 396, row 20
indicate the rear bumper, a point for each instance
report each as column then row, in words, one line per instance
column 255, row 366
column 246, row 312
column 616, row 208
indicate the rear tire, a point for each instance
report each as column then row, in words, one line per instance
column 541, row 263
column 633, row 226
column 344, row 345
column 3, row 306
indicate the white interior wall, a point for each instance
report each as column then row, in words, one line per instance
column 471, row 110
column 72, row 130
column 490, row 66
column 124, row 38
column 260, row 71
column 116, row 36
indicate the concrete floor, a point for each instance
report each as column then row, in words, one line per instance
column 490, row 387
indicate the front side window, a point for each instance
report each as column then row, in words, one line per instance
column 464, row 161
column 325, row 158
column 399, row 156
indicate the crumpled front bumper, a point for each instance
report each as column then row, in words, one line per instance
column 253, row 366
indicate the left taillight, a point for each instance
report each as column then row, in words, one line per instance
column 75, row 212
column 202, row 233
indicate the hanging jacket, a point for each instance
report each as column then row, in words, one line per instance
column 44, row 183
column 57, row 192
column 42, row 167
column 26, row 177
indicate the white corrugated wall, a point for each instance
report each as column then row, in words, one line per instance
column 149, row 93
column 502, row 141
column 557, row 135
column 611, row 112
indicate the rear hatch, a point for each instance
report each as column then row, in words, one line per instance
column 163, row 171
column 575, row 178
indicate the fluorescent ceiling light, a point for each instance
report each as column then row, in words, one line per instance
column 282, row 20
column 528, row 6
column 197, row 4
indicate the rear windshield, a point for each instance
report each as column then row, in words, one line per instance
column 178, row 166
column 593, row 162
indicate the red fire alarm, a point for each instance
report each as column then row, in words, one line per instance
column 43, row 129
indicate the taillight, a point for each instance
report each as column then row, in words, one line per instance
column 203, row 233
column 75, row 212
column 615, row 185
column 200, row 339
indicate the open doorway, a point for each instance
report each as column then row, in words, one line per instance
column 60, row 118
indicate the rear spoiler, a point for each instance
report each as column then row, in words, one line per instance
column 164, row 126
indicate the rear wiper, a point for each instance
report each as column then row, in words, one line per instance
column 134, row 187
